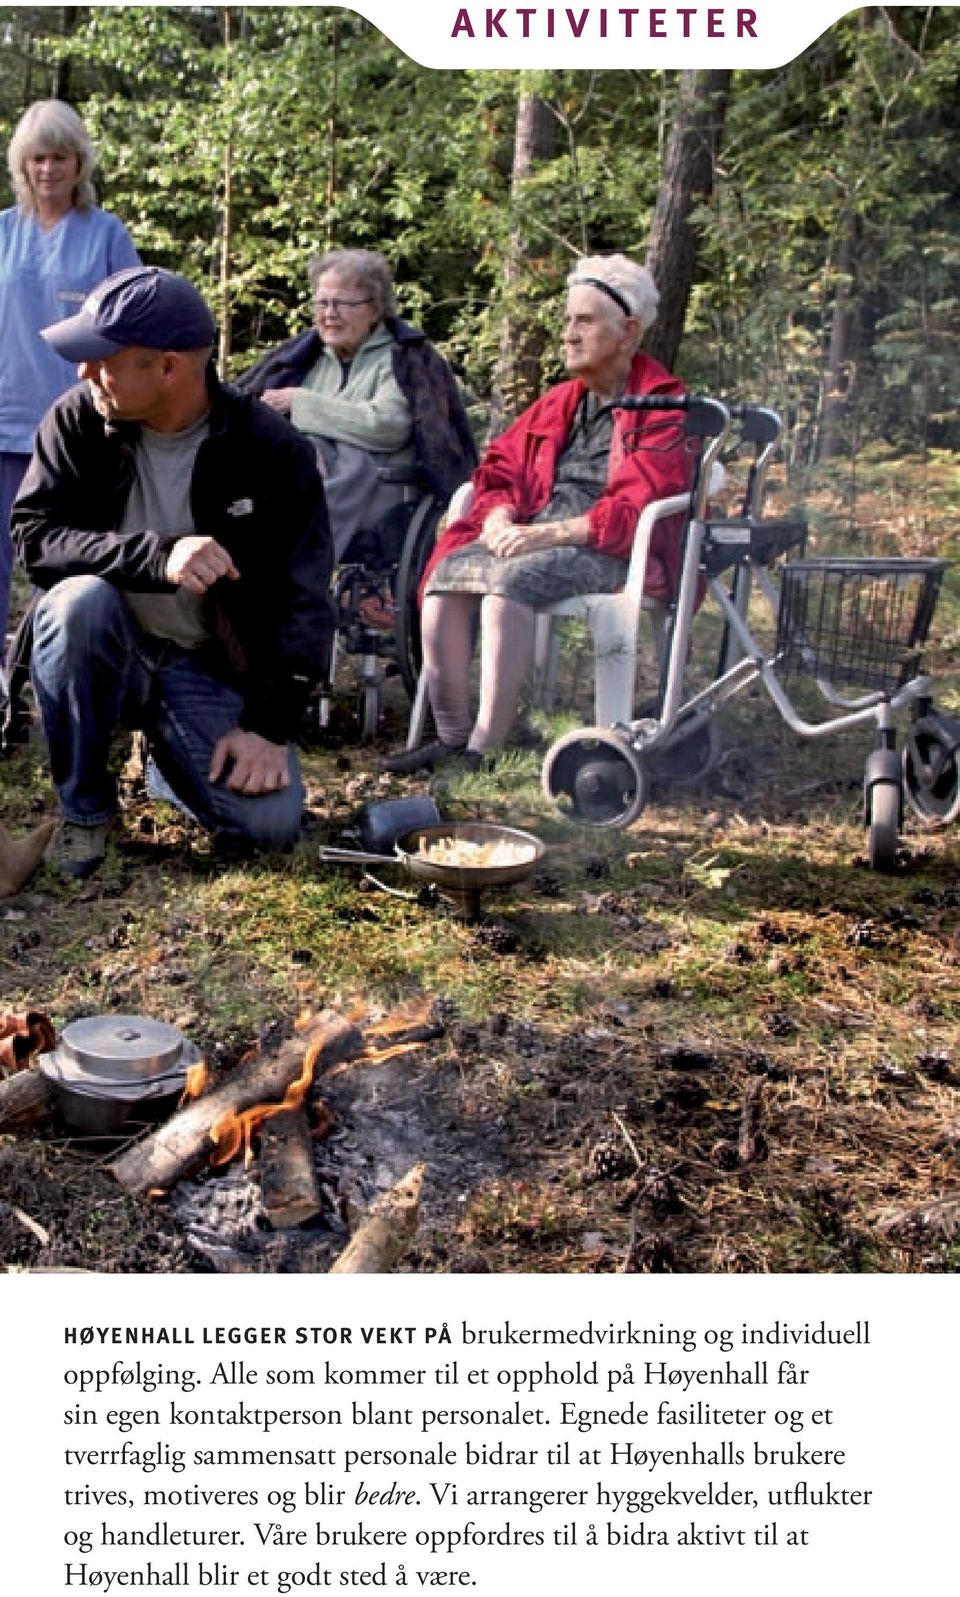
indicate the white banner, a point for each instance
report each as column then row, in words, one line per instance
column 544, row 36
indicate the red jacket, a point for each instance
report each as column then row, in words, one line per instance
column 518, row 470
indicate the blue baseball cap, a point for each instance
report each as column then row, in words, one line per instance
column 145, row 307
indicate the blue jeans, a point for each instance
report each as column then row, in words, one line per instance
column 12, row 468
column 95, row 671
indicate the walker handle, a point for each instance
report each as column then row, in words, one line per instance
column 654, row 402
column 706, row 418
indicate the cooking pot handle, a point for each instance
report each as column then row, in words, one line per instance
column 358, row 856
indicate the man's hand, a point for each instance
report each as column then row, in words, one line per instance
column 279, row 399
column 256, row 766
column 197, row 563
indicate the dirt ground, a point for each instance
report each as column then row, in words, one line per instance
column 717, row 1042
column 714, row 1042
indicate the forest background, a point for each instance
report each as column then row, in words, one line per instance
column 804, row 223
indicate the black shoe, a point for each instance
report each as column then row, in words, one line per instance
column 409, row 761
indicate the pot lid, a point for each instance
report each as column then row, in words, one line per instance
column 122, row 1046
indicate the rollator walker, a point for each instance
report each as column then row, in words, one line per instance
column 855, row 626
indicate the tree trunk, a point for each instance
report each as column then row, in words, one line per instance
column 838, row 376
column 517, row 380
column 332, row 130
column 839, row 373
column 60, row 87
column 226, row 223
column 685, row 182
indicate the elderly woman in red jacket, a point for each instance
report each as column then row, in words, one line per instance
column 555, row 507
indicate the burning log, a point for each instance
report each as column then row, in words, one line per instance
column 25, row 1099
column 19, row 857
column 258, row 1088
column 752, row 1144
column 288, row 1180
column 381, row 1239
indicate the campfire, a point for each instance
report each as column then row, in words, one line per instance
column 269, row 1110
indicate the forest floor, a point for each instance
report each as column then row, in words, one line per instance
column 716, row 1041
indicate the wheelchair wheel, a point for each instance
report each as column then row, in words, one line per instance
column 931, row 770
column 417, row 549
column 368, row 711
column 884, row 811
column 595, row 778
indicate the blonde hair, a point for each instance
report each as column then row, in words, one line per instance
column 630, row 283
column 51, row 125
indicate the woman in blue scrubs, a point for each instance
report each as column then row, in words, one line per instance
column 55, row 246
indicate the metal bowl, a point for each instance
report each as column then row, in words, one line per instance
column 465, row 883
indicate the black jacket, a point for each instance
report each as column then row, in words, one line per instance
column 255, row 488
column 443, row 444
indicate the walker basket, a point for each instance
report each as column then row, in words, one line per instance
column 856, row 621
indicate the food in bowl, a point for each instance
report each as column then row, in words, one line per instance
column 464, row 853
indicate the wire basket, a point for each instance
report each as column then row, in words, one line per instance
column 857, row 621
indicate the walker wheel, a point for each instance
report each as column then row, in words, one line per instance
column 884, row 815
column 931, row 770
column 595, row 778
column 689, row 761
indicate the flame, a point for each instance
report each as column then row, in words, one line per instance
column 196, row 1082
column 235, row 1131
column 401, row 1020
column 411, row 1019
column 376, row 1056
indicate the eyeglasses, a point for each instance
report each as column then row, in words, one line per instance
column 338, row 305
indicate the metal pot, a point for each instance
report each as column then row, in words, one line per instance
column 109, row 1070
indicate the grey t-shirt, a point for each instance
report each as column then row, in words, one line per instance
column 160, row 500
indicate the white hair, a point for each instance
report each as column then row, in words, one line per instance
column 367, row 268
column 51, row 125
column 622, row 281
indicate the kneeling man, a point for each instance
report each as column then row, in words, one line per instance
column 179, row 532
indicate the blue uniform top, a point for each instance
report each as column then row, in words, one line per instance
column 45, row 276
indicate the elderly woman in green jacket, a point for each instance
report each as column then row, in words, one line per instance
column 371, row 392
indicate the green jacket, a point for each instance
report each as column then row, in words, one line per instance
column 367, row 410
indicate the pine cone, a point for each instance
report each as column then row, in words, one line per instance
column 608, row 1162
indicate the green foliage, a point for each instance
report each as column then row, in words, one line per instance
column 836, row 188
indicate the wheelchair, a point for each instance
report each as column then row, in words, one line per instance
column 376, row 611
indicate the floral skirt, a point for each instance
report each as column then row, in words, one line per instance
column 541, row 578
